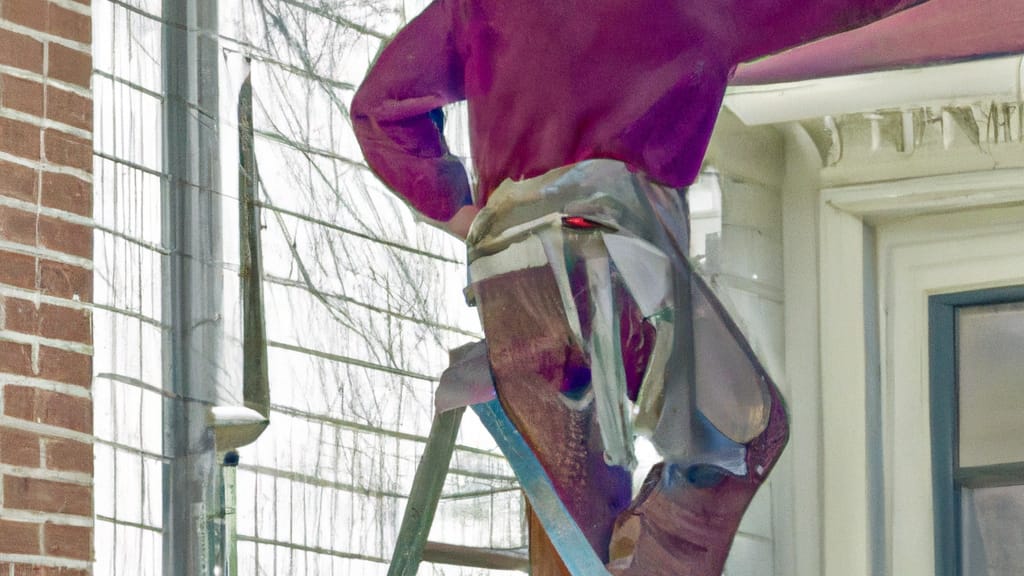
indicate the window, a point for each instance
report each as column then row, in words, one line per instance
column 977, row 423
column 361, row 303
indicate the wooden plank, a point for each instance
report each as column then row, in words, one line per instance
column 440, row 553
column 544, row 559
column 426, row 490
column 559, row 526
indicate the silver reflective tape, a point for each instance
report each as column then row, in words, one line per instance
column 645, row 269
column 527, row 253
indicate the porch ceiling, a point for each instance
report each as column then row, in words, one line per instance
column 935, row 32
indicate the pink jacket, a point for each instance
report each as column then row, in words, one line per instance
column 554, row 82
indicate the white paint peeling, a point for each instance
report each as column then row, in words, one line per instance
column 49, row 561
column 40, row 298
column 32, row 339
column 46, row 253
column 43, row 384
column 45, row 123
column 45, row 429
column 46, row 166
column 45, row 211
column 44, row 37
column 49, row 474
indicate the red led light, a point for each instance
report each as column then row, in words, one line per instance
column 580, row 223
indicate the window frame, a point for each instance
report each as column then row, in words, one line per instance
column 947, row 476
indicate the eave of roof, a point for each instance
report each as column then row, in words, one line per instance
column 938, row 31
column 995, row 79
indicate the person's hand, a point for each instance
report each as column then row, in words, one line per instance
column 460, row 223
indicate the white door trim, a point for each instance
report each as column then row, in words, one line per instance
column 917, row 257
column 916, row 196
column 932, row 255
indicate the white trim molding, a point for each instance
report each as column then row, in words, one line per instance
column 959, row 84
column 929, row 194
column 934, row 234
column 934, row 254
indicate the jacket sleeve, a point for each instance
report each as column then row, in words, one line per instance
column 419, row 71
column 769, row 26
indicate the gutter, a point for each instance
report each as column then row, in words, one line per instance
column 957, row 84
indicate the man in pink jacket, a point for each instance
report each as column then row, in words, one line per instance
column 588, row 118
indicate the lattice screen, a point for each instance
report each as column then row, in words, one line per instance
column 361, row 304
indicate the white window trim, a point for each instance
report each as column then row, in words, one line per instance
column 919, row 257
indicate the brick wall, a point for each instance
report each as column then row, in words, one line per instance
column 46, row 463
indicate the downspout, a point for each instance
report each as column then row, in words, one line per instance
column 193, row 288
column 215, row 406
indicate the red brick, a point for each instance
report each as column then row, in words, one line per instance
column 49, row 17
column 47, row 496
column 66, row 237
column 48, row 407
column 66, row 192
column 21, row 95
column 19, row 138
column 63, row 323
column 19, row 448
column 68, row 24
column 21, row 51
column 19, row 402
column 18, row 181
column 65, row 411
column 31, row 13
column 17, row 269
column 19, row 538
column 64, row 280
column 69, row 108
column 15, row 358
column 17, row 225
column 69, row 65
column 63, row 366
column 68, row 455
column 67, row 541
column 20, row 315
column 68, row 150
column 31, row 570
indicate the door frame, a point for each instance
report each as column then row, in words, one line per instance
column 923, row 236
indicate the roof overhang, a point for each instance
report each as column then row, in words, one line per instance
column 937, row 31
column 938, row 53
column 962, row 83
